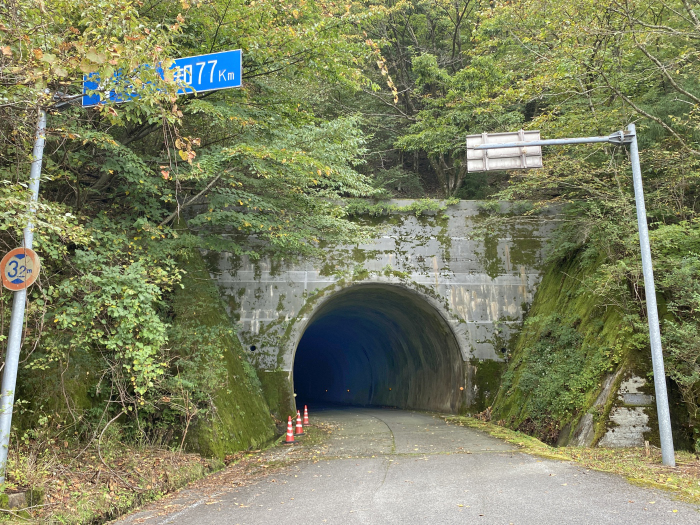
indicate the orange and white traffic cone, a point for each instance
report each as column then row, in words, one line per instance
column 290, row 433
column 306, row 416
column 300, row 429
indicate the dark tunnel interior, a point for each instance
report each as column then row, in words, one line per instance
column 379, row 345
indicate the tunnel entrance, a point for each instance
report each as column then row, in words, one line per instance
column 380, row 345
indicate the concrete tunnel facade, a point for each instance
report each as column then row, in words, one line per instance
column 428, row 304
column 381, row 345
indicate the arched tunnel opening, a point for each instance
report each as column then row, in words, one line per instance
column 379, row 345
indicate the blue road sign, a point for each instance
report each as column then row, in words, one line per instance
column 194, row 74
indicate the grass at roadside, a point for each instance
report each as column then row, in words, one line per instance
column 77, row 487
column 632, row 463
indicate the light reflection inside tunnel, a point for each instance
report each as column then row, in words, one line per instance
column 379, row 345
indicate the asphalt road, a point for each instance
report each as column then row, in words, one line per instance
column 392, row 466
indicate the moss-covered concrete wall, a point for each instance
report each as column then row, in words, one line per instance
column 68, row 390
column 577, row 373
column 241, row 418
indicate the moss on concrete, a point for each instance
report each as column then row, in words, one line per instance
column 241, row 419
column 526, row 248
column 59, row 390
column 277, row 389
column 564, row 319
column 484, row 381
column 489, row 258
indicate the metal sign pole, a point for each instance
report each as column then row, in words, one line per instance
column 14, row 341
column 620, row 137
column 657, row 356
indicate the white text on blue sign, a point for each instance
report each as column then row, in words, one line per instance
column 196, row 74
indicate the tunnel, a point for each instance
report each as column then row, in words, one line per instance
column 379, row 345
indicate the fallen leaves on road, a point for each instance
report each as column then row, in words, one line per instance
column 639, row 465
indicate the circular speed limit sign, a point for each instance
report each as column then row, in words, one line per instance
column 19, row 269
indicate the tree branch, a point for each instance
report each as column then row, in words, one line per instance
column 664, row 70
column 191, row 201
column 692, row 14
column 651, row 117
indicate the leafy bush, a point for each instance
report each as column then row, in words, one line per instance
column 560, row 371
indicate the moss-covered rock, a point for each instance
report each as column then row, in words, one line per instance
column 567, row 348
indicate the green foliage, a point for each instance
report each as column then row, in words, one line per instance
column 110, row 302
column 416, row 109
column 480, row 186
column 287, row 194
column 678, row 272
column 418, row 207
column 256, row 164
column 560, row 373
column 398, row 183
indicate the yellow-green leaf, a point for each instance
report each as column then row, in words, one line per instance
column 94, row 56
column 87, row 67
